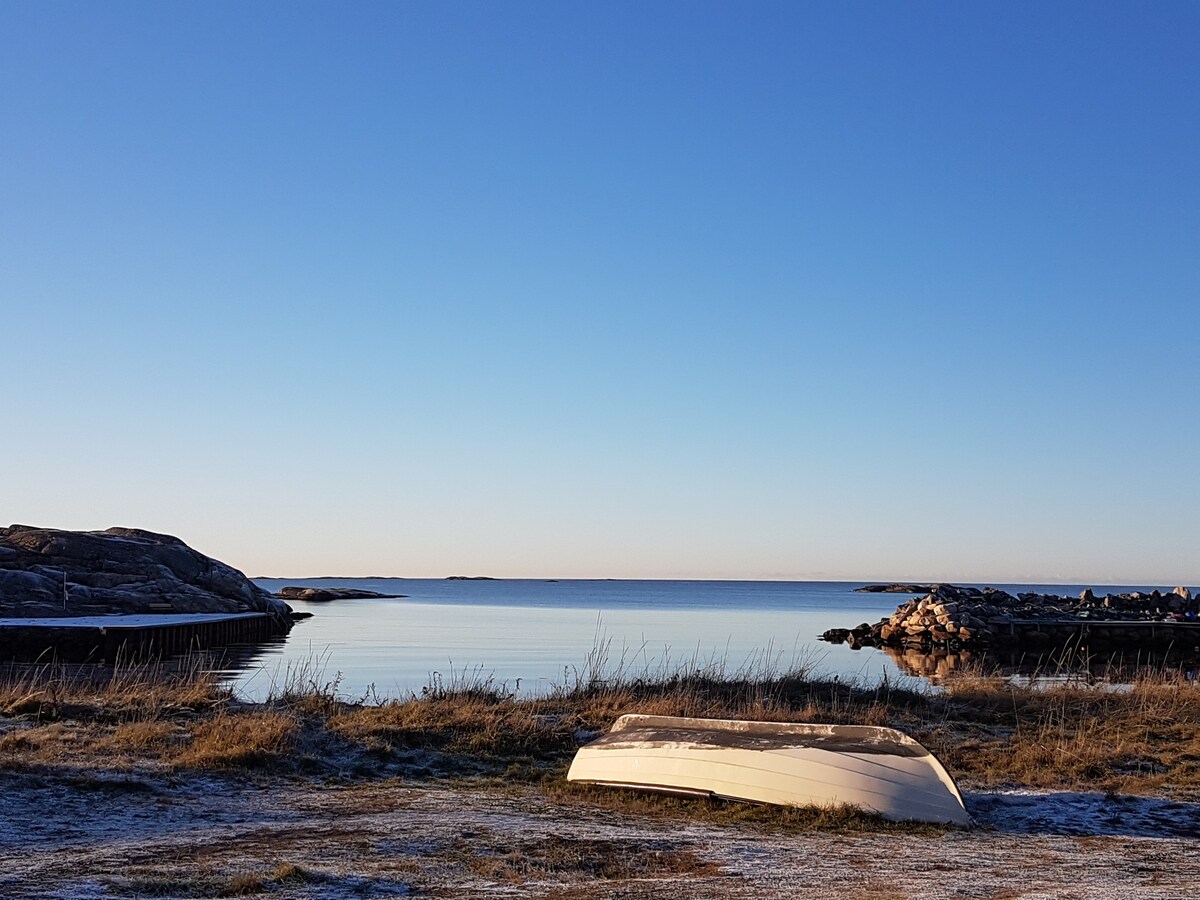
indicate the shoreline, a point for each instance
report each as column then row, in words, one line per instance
column 165, row 784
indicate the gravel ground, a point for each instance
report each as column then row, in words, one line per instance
column 201, row 837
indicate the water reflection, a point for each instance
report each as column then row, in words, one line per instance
column 1071, row 665
column 394, row 648
column 231, row 661
column 535, row 636
column 934, row 666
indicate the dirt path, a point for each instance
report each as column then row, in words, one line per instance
column 207, row 837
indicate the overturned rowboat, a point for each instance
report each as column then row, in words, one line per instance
column 880, row 770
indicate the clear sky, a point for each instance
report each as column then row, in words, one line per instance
column 763, row 290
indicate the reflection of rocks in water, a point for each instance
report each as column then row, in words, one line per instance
column 934, row 665
column 1072, row 665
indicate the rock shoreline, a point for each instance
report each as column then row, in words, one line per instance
column 49, row 573
column 951, row 617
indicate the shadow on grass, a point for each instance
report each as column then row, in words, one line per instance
column 1083, row 814
column 716, row 811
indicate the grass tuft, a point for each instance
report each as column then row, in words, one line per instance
column 1135, row 740
column 120, row 693
column 252, row 739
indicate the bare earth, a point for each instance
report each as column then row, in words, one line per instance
column 186, row 836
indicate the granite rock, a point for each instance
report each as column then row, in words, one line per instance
column 50, row 572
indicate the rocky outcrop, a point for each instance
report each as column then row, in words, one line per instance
column 48, row 572
column 324, row 595
column 955, row 617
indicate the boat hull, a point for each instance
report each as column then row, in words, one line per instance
column 880, row 770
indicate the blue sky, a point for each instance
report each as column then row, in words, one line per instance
column 837, row 290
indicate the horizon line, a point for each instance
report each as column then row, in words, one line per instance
column 766, row 580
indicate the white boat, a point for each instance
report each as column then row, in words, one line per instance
column 880, row 770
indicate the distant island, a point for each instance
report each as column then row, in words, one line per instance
column 895, row 589
column 324, row 595
column 471, row 578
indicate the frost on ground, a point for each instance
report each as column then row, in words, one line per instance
column 200, row 837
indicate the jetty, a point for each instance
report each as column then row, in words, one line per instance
column 139, row 636
column 1097, row 632
column 954, row 618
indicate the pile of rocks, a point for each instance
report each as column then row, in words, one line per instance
column 945, row 614
column 954, row 617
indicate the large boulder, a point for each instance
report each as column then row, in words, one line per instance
column 48, row 572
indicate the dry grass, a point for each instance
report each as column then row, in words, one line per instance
column 1073, row 736
column 488, row 729
column 145, row 737
column 78, row 717
column 56, row 744
column 285, row 879
column 567, row 858
column 251, row 739
column 988, row 732
column 527, row 738
column 125, row 692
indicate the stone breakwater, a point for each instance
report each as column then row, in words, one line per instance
column 951, row 617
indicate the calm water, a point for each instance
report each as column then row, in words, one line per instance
column 532, row 635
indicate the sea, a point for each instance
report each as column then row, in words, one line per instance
column 535, row 636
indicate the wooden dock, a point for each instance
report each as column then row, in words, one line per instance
column 107, row 638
